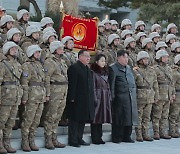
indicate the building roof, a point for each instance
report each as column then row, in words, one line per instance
column 92, row 6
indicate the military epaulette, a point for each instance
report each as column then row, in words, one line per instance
column 73, row 53
column 155, row 66
column 27, row 62
column 135, row 68
column 151, row 67
column 175, row 67
column 2, row 57
column 63, row 61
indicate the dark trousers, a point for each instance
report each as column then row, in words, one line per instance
column 96, row 132
column 121, row 133
column 75, row 132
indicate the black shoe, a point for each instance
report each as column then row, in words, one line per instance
column 116, row 141
column 63, row 122
column 128, row 140
column 82, row 142
column 74, row 145
column 102, row 142
column 98, row 142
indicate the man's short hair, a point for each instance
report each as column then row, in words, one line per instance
column 121, row 53
column 81, row 52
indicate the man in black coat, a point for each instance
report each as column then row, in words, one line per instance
column 80, row 98
column 124, row 105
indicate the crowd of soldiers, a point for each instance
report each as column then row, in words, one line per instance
column 33, row 76
column 155, row 60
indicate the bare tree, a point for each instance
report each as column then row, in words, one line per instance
column 24, row 3
column 36, row 7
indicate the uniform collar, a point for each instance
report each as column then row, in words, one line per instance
column 121, row 67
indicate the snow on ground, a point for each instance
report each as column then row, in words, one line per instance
column 157, row 147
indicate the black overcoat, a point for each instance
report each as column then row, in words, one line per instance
column 123, row 89
column 80, row 89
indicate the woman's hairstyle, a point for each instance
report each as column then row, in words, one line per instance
column 96, row 68
column 99, row 56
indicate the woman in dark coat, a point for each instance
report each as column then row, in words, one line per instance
column 102, row 97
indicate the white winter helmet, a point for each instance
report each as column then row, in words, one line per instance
column 161, row 53
column 66, row 38
column 126, row 22
column 20, row 13
column 47, row 35
column 11, row 32
column 2, row 9
column 139, row 23
column 126, row 32
column 32, row 49
column 161, row 44
column 175, row 45
column 55, row 45
column 101, row 24
column 8, row 45
column 106, row 21
column 114, row 22
column 170, row 36
column 49, row 29
column 45, row 21
column 154, row 27
column 128, row 41
column 112, row 37
column 146, row 41
column 171, row 25
column 141, row 55
column 5, row 19
column 139, row 35
column 176, row 59
column 153, row 35
column 32, row 29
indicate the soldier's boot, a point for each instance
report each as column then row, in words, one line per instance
column 178, row 134
column 48, row 142
column 2, row 149
column 164, row 135
column 156, row 136
column 7, row 145
column 25, row 144
column 172, row 133
column 138, row 135
column 177, row 131
column 32, row 143
column 146, row 136
column 55, row 142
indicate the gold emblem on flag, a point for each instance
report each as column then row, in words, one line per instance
column 79, row 32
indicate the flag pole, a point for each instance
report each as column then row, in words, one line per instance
column 61, row 9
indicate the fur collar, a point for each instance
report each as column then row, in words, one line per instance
column 99, row 70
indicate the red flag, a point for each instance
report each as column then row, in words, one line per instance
column 84, row 31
